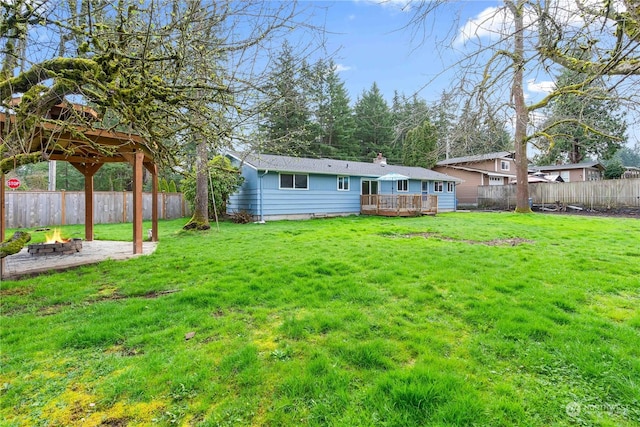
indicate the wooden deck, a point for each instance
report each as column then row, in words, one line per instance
column 399, row 204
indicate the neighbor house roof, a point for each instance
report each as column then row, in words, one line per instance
column 482, row 171
column 336, row 167
column 477, row 158
column 583, row 165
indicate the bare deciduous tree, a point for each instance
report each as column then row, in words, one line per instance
column 167, row 70
column 513, row 45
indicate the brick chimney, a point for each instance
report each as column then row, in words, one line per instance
column 380, row 160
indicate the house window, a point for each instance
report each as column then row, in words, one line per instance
column 437, row 186
column 343, row 183
column 451, row 186
column 425, row 186
column 403, row 185
column 294, row 181
column 504, row 165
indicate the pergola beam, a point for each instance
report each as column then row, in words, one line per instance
column 87, row 154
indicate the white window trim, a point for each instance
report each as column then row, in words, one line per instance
column 344, row 179
column 435, row 186
column 451, row 186
column 398, row 183
column 505, row 162
column 294, row 181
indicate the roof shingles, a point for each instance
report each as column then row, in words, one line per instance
column 336, row 167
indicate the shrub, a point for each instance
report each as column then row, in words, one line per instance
column 225, row 179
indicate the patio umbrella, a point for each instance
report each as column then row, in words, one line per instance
column 392, row 176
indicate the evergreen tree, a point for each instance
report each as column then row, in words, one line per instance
column 374, row 127
column 478, row 133
column 584, row 125
column 443, row 116
column 288, row 127
column 407, row 114
column 420, row 146
column 629, row 156
column 337, row 119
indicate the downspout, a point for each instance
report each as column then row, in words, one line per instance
column 261, row 199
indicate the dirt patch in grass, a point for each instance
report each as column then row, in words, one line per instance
column 50, row 310
column 156, row 294
column 15, row 291
column 513, row 241
column 120, row 422
column 113, row 294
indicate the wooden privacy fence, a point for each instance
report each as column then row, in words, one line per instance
column 607, row 194
column 25, row 209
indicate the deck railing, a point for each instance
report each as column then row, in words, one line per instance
column 398, row 204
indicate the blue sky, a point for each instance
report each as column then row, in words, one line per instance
column 372, row 44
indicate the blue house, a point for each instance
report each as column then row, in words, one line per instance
column 282, row 187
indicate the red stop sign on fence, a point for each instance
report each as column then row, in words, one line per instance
column 13, row 183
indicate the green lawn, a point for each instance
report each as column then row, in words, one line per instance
column 460, row 319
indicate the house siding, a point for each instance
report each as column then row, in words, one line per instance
column 467, row 191
column 447, row 200
column 322, row 197
column 261, row 195
column 577, row 175
column 247, row 197
column 493, row 165
column 578, row 172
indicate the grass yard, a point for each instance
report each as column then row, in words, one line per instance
column 460, row 319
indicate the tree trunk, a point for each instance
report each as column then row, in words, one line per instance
column 200, row 218
column 14, row 244
column 522, row 112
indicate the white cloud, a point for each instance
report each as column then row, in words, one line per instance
column 341, row 67
column 491, row 22
column 403, row 5
column 494, row 22
column 546, row 86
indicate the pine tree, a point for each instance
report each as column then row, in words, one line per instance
column 420, row 146
column 407, row 114
column 337, row 119
column 584, row 125
column 288, row 126
column 374, row 127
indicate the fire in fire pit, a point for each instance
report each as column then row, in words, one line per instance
column 56, row 245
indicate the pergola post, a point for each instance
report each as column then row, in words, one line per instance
column 154, row 201
column 88, row 170
column 138, row 159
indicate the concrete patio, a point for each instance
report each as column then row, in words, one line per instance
column 24, row 264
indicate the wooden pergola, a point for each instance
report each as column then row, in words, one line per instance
column 87, row 149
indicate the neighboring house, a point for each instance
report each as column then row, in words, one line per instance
column 484, row 169
column 282, row 187
column 574, row 172
column 538, row 177
column 631, row 172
